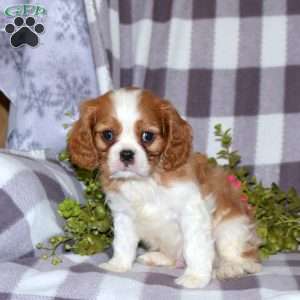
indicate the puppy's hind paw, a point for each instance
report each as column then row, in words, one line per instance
column 234, row 270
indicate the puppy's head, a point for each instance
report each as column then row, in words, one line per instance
column 129, row 133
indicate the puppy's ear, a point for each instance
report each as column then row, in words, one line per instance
column 80, row 142
column 179, row 138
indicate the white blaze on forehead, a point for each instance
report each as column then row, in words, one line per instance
column 125, row 104
column 126, row 108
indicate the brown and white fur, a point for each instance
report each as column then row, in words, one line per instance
column 165, row 195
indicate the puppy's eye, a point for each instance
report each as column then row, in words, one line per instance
column 108, row 135
column 147, row 137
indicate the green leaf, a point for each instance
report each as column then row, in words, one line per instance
column 69, row 208
column 68, row 114
column 64, row 155
column 56, row 261
column 100, row 211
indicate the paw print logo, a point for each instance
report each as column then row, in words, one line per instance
column 24, row 33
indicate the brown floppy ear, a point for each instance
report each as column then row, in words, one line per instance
column 179, row 138
column 80, row 141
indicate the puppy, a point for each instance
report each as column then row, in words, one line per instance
column 160, row 191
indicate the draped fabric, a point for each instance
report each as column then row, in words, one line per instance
column 45, row 82
column 231, row 62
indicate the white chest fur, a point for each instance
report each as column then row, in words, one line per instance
column 155, row 211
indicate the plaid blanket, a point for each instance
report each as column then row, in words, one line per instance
column 30, row 189
column 231, row 62
column 80, row 278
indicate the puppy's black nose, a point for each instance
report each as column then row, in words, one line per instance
column 127, row 156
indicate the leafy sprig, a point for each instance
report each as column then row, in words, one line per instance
column 277, row 213
column 88, row 227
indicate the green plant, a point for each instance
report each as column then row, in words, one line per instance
column 88, row 227
column 277, row 213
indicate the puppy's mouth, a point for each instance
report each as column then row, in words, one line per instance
column 126, row 172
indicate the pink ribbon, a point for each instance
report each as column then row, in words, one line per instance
column 234, row 181
column 237, row 184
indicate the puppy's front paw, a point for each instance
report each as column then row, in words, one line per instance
column 115, row 265
column 190, row 280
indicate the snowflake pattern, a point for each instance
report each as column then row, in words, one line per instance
column 37, row 99
column 48, row 88
column 72, row 23
column 70, row 90
column 10, row 56
column 18, row 140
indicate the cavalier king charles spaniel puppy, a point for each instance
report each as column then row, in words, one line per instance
column 161, row 192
